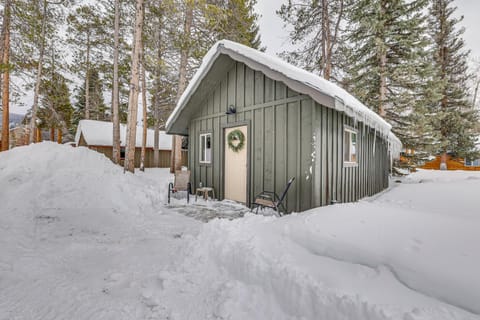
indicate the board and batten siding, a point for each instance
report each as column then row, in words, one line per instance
column 290, row 135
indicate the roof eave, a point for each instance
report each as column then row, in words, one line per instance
column 298, row 86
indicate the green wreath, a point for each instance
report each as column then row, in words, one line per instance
column 234, row 136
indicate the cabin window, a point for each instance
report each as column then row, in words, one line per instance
column 472, row 163
column 206, row 148
column 122, row 152
column 350, row 146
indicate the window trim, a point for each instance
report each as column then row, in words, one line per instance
column 203, row 162
column 350, row 163
column 472, row 163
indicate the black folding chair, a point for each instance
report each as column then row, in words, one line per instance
column 269, row 199
column 181, row 183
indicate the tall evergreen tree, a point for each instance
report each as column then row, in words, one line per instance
column 98, row 109
column 88, row 38
column 316, row 30
column 158, row 57
column 6, row 75
column 56, row 110
column 134, row 88
column 455, row 115
column 388, row 65
column 42, row 42
column 234, row 20
column 115, row 85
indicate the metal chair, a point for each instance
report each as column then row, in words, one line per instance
column 269, row 199
column 181, row 183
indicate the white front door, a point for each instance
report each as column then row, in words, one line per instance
column 235, row 172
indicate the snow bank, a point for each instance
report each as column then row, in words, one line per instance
column 79, row 239
column 392, row 258
column 99, row 133
column 48, row 175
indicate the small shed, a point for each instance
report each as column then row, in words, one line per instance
column 254, row 121
column 98, row 136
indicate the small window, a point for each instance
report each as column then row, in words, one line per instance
column 206, row 148
column 122, row 152
column 472, row 163
column 350, row 146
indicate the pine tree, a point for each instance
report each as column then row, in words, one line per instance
column 88, row 38
column 115, row 85
column 134, row 88
column 234, row 20
column 56, row 110
column 455, row 115
column 160, row 61
column 42, row 41
column 6, row 75
column 98, row 108
column 388, row 65
column 185, row 51
column 117, row 20
column 316, row 30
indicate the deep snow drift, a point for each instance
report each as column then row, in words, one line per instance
column 79, row 239
column 411, row 253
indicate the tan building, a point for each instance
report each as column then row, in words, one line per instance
column 98, row 136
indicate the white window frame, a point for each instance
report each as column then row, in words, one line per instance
column 203, row 152
column 473, row 163
column 350, row 132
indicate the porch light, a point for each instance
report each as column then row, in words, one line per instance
column 231, row 109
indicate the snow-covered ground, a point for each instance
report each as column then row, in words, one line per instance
column 79, row 239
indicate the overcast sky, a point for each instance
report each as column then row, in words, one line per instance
column 275, row 37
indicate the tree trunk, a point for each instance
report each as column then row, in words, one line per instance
column 326, row 41
column 334, row 38
column 59, row 136
column 133, row 96
column 156, row 151
column 383, row 86
column 383, row 70
column 115, row 94
column 443, row 161
column 144, row 120
column 87, row 80
column 182, row 83
column 158, row 85
column 38, row 132
column 52, row 134
column 6, row 76
column 38, row 80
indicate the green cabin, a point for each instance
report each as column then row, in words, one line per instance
column 253, row 121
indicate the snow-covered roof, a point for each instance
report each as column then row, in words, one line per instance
column 100, row 133
column 305, row 81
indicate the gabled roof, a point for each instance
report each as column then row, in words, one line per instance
column 100, row 133
column 321, row 90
